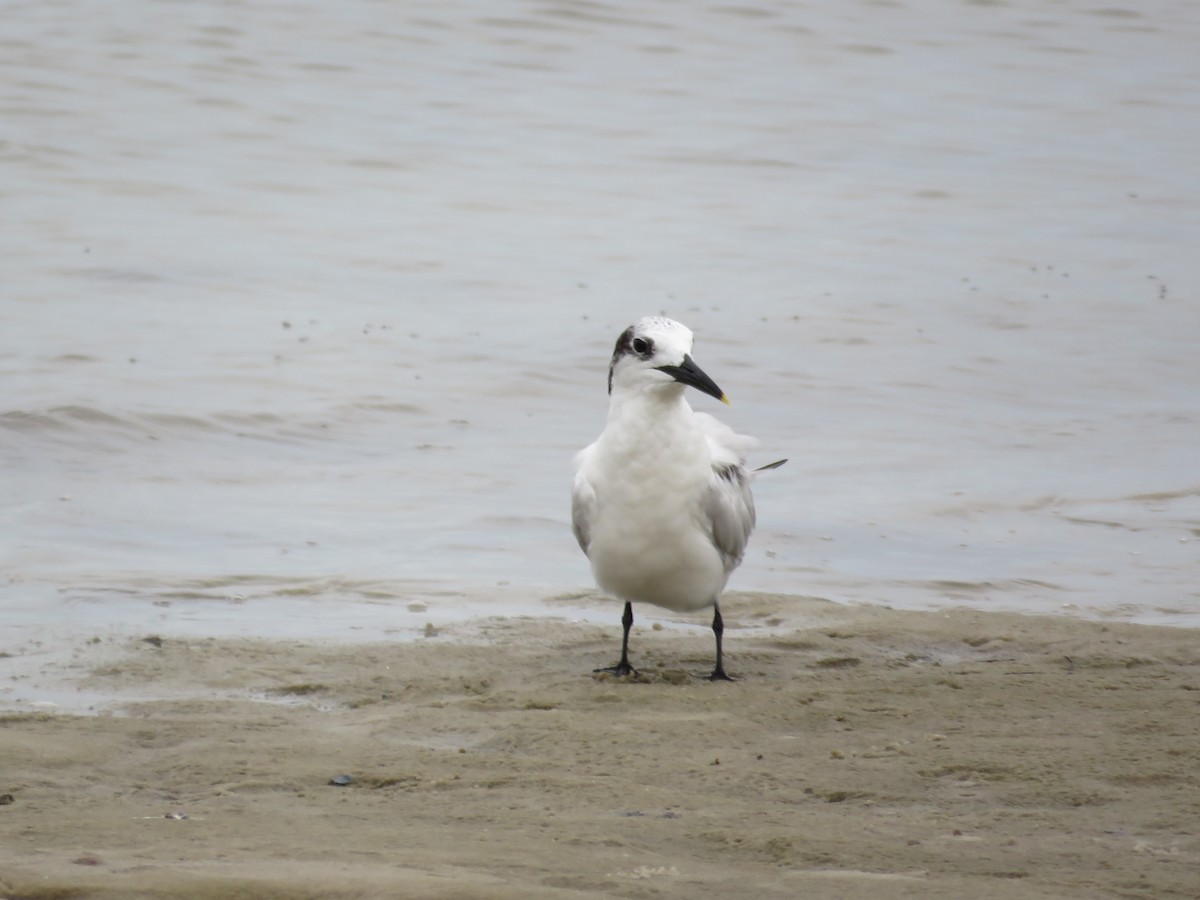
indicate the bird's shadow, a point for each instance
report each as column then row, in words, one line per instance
column 652, row 675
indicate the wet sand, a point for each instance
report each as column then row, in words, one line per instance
column 864, row 752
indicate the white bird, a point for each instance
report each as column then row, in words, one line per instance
column 661, row 501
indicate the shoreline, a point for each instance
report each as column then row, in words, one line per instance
column 41, row 662
column 864, row 752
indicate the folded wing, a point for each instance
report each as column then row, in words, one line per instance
column 583, row 504
column 728, row 503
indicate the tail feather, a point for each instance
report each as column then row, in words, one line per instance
column 774, row 465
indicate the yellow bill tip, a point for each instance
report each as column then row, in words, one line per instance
column 725, row 400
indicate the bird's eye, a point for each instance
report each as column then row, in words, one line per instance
column 640, row 346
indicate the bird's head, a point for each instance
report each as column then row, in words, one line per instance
column 655, row 354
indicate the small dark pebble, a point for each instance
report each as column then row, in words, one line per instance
column 342, row 780
column 6, row 799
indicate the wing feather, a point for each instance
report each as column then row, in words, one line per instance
column 583, row 503
column 728, row 504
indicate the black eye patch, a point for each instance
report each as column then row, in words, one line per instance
column 627, row 344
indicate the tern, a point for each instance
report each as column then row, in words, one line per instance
column 661, row 502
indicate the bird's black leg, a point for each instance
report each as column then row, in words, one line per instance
column 623, row 667
column 718, row 674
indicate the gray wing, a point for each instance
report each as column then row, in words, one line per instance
column 583, row 505
column 729, row 506
column 728, row 503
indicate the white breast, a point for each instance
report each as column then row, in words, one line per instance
column 649, row 537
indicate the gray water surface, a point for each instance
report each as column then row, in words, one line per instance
column 314, row 302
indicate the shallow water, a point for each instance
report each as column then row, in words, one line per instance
column 315, row 303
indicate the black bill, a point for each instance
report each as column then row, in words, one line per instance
column 691, row 374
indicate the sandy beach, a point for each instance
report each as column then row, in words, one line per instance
column 863, row 752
